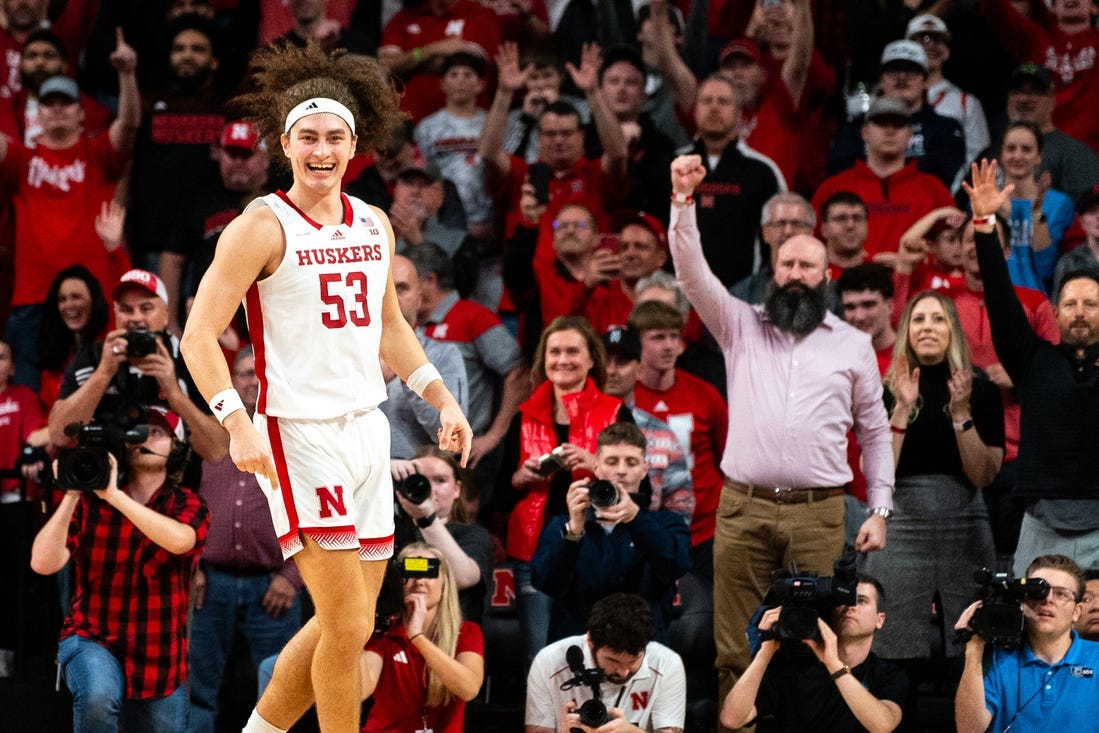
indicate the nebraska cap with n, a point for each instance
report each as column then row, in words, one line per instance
column 144, row 280
column 239, row 135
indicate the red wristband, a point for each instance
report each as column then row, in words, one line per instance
column 682, row 199
column 984, row 221
column 897, row 431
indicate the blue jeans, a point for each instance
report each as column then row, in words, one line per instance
column 22, row 337
column 534, row 611
column 231, row 602
column 94, row 676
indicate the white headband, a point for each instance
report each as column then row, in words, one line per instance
column 316, row 106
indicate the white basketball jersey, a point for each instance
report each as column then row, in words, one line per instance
column 316, row 322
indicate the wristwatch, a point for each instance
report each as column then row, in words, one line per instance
column 964, row 425
column 425, row 522
column 845, row 669
column 884, row 512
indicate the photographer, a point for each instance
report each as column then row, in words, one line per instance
column 609, row 541
column 423, row 670
column 123, row 649
column 849, row 690
column 1049, row 682
column 442, row 520
column 133, row 366
column 641, row 682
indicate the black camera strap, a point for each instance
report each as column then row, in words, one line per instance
column 1019, row 693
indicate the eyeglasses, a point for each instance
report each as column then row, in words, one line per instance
column 558, row 224
column 1063, row 596
column 845, row 218
column 789, row 224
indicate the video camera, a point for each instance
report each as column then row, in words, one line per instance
column 806, row 597
column 87, row 467
column 390, row 602
column 593, row 713
column 999, row 620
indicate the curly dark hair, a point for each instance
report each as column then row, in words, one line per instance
column 621, row 622
column 287, row 75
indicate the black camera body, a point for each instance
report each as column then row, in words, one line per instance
column 806, row 597
column 86, row 467
column 593, row 713
column 999, row 620
column 415, row 488
column 140, row 343
column 603, row 494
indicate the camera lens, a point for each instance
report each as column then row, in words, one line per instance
column 415, row 488
column 83, row 469
column 603, row 494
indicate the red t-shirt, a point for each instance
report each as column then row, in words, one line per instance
column 401, row 690
column 415, row 27
column 894, row 203
column 697, row 414
column 20, row 415
column 57, row 195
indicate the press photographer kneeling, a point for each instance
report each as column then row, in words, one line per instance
column 845, row 688
column 123, row 649
column 1042, row 677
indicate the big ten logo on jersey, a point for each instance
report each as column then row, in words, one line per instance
column 331, row 501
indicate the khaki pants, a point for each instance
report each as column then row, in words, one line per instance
column 754, row 537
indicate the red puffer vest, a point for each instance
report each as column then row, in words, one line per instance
column 589, row 411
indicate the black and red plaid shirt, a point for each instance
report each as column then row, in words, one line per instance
column 131, row 594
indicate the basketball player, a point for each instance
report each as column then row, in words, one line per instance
column 312, row 266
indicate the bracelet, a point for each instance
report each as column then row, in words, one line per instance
column 225, row 403
column 984, row 221
column 682, row 199
column 424, row 375
column 414, row 636
column 897, row 431
column 417, row 54
column 845, row 669
column 425, row 522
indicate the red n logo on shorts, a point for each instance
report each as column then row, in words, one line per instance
column 331, row 501
column 639, row 700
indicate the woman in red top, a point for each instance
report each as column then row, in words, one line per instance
column 423, row 670
column 566, row 411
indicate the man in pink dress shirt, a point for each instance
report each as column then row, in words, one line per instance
column 798, row 379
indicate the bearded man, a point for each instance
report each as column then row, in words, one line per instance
column 798, row 379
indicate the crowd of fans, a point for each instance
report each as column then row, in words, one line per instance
column 539, row 209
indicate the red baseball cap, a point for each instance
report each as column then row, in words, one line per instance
column 143, row 279
column 624, row 217
column 166, row 418
column 239, row 135
column 740, row 47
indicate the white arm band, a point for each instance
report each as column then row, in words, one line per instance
column 225, row 403
column 418, row 380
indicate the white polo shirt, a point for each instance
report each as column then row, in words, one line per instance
column 654, row 698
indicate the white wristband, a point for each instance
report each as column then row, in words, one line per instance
column 418, row 380
column 225, row 403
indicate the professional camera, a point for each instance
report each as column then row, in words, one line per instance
column 87, row 467
column 603, row 494
column 387, row 609
column 415, row 488
column 999, row 620
column 805, row 597
column 140, row 343
column 593, row 713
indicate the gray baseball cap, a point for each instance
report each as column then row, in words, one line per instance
column 62, row 85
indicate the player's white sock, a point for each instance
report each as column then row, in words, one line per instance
column 256, row 724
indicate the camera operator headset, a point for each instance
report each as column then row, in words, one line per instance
column 138, row 364
column 424, row 669
column 123, row 647
column 441, row 519
column 1049, row 681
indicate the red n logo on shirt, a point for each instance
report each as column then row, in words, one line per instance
column 639, row 700
column 503, row 588
column 331, row 501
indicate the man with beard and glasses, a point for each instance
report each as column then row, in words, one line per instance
column 180, row 123
column 798, row 379
column 1058, row 390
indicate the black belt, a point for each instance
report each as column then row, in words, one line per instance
column 785, row 494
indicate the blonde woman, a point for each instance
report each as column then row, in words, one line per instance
column 423, row 670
